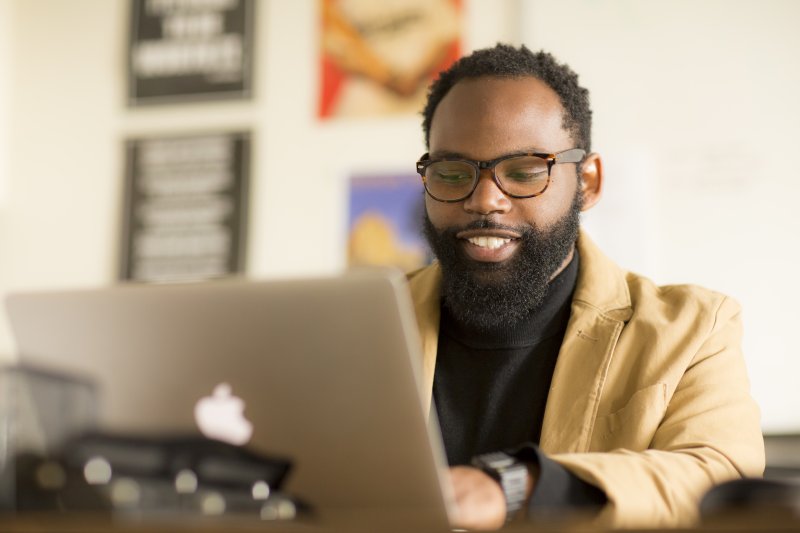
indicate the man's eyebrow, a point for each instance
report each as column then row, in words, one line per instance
column 447, row 154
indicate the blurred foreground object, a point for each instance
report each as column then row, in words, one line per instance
column 39, row 412
column 134, row 477
column 760, row 503
column 54, row 460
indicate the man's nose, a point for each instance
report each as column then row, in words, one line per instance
column 487, row 198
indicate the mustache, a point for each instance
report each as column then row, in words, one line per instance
column 488, row 224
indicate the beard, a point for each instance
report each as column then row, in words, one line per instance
column 494, row 296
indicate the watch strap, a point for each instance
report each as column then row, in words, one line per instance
column 510, row 473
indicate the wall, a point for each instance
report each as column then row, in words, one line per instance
column 6, row 56
column 6, row 38
column 695, row 115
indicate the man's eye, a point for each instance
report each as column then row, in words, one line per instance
column 525, row 175
column 454, row 177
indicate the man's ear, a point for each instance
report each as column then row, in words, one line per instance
column 591, row 180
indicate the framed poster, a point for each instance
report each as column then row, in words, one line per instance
column 185, row 207
column 385, row 221
column 190, row 50
column 377, row 58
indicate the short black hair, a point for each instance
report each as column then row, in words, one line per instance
column 504, row 61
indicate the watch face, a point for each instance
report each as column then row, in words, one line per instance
column 497, row 460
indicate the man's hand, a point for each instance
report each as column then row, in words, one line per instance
column 480, row 503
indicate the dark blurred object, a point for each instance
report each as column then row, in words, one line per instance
column 53, row 459
column 146, row 477
column 40, row 411
column 768, row 503
column 44, row 484
column 213, row 462
column 783, row 456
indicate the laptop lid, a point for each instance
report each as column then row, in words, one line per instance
column 325, row 372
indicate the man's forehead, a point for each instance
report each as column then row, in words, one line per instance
column 444, row 153
column 499, row 115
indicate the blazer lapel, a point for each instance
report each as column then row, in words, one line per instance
column 600, row 307
column 424, row 285
column 578, row 380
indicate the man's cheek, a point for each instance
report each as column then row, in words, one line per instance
column 440, row 214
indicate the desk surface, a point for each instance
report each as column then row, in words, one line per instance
column 763, row 521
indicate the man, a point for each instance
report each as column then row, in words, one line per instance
column 603, row 392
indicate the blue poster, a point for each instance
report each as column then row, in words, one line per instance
column 385, row 221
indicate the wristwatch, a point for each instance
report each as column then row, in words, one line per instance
column 510, row 473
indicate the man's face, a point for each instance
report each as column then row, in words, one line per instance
column 498, row 253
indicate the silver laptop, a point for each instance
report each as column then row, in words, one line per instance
column 325, row 372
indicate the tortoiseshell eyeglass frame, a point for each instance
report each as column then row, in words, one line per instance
column 573, row 155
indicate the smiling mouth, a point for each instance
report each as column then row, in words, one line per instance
column 491, row 243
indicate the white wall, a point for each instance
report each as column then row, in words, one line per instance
column 697, row 115
column 677, row 86
column 6, row 39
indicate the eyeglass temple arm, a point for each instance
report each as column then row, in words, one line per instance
column 574, row 155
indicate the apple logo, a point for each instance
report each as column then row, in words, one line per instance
column 221, row 416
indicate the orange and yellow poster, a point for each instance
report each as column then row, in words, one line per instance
column 378, row 58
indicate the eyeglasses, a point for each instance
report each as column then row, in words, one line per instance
column 517, row 175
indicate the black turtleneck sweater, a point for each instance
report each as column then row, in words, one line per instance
column 490, row 391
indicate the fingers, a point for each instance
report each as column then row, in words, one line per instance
column 479, row 500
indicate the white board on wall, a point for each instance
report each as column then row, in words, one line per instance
column 696, row 115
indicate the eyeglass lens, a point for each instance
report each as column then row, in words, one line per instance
column 518, row 176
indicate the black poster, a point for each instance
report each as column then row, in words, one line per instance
column 190, row 50
column 185, row 207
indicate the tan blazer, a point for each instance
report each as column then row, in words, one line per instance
column 650, row 398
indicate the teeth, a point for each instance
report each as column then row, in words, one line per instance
column 488, row 242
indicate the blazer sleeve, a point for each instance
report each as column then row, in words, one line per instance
column 710, row 433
